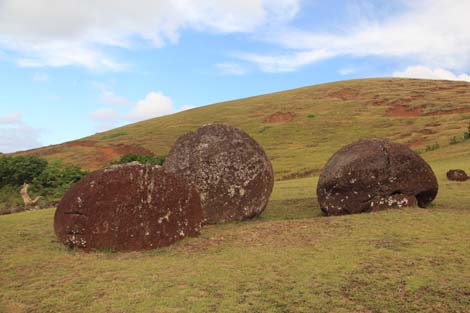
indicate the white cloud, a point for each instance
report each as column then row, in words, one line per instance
column 347, row 70
column 285, row 63
column 15, row 135
column 40, row 77
column 282, row 10
column 109, row 97
column 18, row 138
column 420, row 71
column 11, row 118
column 105, row 119
column 153, row 105
column 431, row 32
column 104, row 126
column 74, row 32
column 228, row 68
column 62, row 53
column 105, row 114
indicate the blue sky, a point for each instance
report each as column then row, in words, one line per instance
column 72, row 68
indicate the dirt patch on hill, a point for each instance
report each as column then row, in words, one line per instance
column 280, row 117
column 109, row 153
column 427, row 131
column 433, row 124
column 447, row 112
column 404, row 111
column 82, row 143
column 401, row 107
column 451, row 87
column 96, row 155
column 45, row 151
column 405, row 135
column 378, row 101
column 416, row 143
column 344, row 94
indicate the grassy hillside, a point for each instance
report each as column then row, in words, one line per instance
column 291, row 259
column 315, row 121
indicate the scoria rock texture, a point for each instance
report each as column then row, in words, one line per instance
column 371, row 175
column 229, row 168
column 128, row 207
column 457, row 175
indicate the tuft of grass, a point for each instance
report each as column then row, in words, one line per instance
column 466, row 135
column 454, row 140
column 432, row 147
column 263, row 129
column 311, row 116
column 10, row 197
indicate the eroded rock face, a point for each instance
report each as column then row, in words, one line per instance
column 230, row 169
column 457, row 175
column 371, row 175
column 128, row 207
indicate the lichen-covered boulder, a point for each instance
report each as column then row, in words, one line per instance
column 128, row 207
column 230, row 169
column 371, row 175
column 457, row 175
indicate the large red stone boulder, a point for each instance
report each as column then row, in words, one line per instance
column 457, row 175
column 128, row 207
column 371, row 175
column 230, row 169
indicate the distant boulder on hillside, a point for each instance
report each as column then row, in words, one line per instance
column 229, row 168
column 457, row 175
column 371, row 175
column 128, row 207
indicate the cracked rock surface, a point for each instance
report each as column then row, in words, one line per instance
column 128, row 207
column 375, row 174
column 229, row 168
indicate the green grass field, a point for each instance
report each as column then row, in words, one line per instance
column 291, row 259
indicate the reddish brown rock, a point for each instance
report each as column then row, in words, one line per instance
column 457, row 175
column 371, row 175
column 128, row 207
column 230, row 169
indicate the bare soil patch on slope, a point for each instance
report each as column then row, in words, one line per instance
column 404, row 111
column 280, row 117
column 96, row 155
column 344, row 94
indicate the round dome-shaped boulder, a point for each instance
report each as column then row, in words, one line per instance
column 371, row 175
column 229, row 168
column 457, row 175
column 128, row 207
